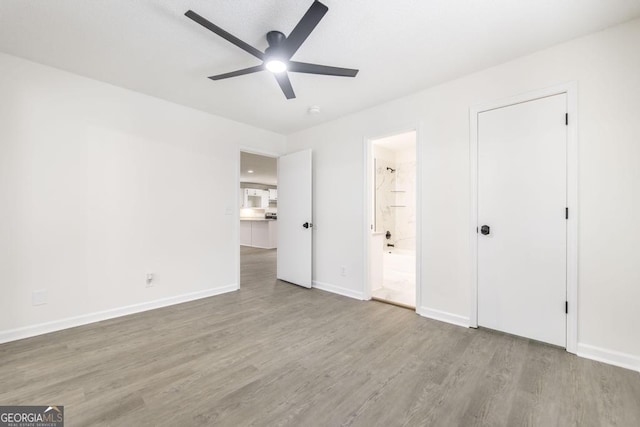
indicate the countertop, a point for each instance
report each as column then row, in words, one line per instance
column 257, row 219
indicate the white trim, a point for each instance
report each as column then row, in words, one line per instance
column 419, row 189
column 368, row 216
column 443, row 316
column 473, row 218
column 253, row 150
column 616, row 358
column 571, row 89
column 338, row 290
column 72, row 322
column 367, row 206
column 236, row 211
column 572, row 224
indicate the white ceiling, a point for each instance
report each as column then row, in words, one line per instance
column 400, row 46
column 265, row 169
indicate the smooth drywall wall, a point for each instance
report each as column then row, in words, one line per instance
column 100, row 186
column 606, row 66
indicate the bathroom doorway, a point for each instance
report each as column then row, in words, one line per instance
column 393, row 210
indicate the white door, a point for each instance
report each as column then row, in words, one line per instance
column 294, row 218
column 522, row 196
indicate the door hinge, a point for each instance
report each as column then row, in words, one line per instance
column 566, row 307
column 566, row 213
column 566, row 119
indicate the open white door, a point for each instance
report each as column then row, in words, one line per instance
column 294, row 218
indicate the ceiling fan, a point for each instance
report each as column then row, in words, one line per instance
column 277, row 57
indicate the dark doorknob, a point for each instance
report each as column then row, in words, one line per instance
column 305, row 225
column 485, row 229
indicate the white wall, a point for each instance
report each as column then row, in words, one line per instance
column 606, row 66
column 100, row 185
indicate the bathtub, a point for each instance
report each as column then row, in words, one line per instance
column 391, row 268
column 398, row 261
column 398, row 284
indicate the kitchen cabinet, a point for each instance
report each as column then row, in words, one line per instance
column 259, row 233
column 273, row 194
column 254, row 198
column 245, row 233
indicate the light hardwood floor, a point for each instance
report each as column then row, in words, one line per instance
column 277, row 354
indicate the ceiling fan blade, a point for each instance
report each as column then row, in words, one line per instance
column 238, row 72
column 285, row 85
column 303, row 67
column 225, row 35
column 304, row 28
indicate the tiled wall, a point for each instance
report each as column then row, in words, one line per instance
column 395, row 204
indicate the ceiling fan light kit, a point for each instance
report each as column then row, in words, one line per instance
column 276, row 66
column 277, row 57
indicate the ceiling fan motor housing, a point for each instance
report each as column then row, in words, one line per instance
column 274, row 38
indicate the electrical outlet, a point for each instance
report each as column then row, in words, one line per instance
column 149, row 280
column 39, row 297
column 343, row 270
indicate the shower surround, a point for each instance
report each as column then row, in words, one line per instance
column 395, row 203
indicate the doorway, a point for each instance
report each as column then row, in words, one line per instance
column 258, row 213
column 393, row 205
column 275, row 225
column 523, row 170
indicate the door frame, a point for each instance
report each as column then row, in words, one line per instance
column 244, row 149
column 571, row 90
column 368, row 206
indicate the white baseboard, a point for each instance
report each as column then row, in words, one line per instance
column 71, row 322
column 338, row 290
column 443, row 316
column 610, row 357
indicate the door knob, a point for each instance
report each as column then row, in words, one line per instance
column 305, row 225
column 485, row 229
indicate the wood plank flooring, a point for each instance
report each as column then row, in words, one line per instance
column 274, row 354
